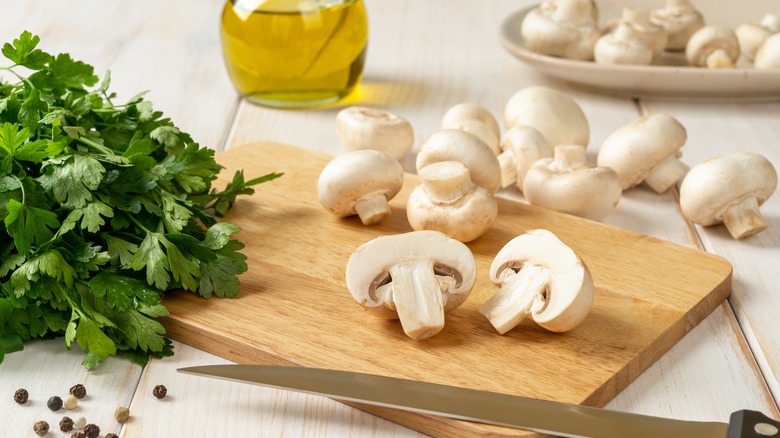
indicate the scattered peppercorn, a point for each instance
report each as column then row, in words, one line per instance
column 78, row 434
column 122, row 414
column 78, row 391
column 80, row 423
column 160, row 391
column 66, row 424
column 21, row 395
column 54, row 403
column 92, row 431
column 41, row 428
column 70, row 402
column 112, row 435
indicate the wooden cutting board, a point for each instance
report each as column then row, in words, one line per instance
column 294, row 308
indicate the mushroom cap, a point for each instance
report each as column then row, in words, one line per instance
column 569, row 296
column 482, row 131
column 654, row 35
column 751, row 37
column 635, row 149
column 622, row 46
column 586, row 191
column 707, row 40
column 563, row 28
column 768, row 56
column 370, row 128
column 368, row 267
column 356, row 175
column 680, row 19
column 457, row 145
column 713, row 185
column 469, row 111
column 557, row 116
column 527, row 146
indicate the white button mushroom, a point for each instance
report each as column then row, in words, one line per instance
column 369, row 128
column 751, row 35
column 522, row 147
column 541, row 278
column 646, row 149
column 623, row 46
column 713, row 47
column 456, row 145
column 729, row 189
column 360, row 182
column 680, row 20
column 564, row 28
column 557, row 116
column 448, row 201
column 469, row 111
column 768, row 56
column 569, row 184
column 415, row 277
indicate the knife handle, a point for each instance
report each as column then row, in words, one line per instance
column 752, row 424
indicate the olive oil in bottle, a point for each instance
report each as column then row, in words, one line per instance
column 294, row 53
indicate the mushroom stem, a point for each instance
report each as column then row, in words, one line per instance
column 720, row 58
column 446, row 181
column 372, row 208
column 569, row 157
column 666, row 174
column 521, row 293
column 418, row 299
column 744, row 219
column 506, row 160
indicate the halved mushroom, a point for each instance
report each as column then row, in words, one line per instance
column 522, row 147
column 461, row 112
column 564, row 28
column 457, row 145
column 415, row 277
column 713, row 47
column 557, row 116
column 369, row 128
column 729, row 189
column 360, row 182
column 680, row 20
column 568, row 183
column 448, row 201
column 541, row 278
column 646, row 149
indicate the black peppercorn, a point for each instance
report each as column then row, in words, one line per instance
column 112, row 435
column 66, row 424
column 78, row 391
column 41, row 428
column 78, row 434
column 20, row 396
column 54, row 403
column 160, row 391
column 92, row 431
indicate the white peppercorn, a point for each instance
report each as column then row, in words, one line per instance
column 80, row 423
column 70, row 402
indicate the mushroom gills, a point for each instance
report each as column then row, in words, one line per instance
column 522, row 293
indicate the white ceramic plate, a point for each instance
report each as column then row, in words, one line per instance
column 665, row 80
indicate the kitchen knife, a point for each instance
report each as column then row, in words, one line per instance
column 487, row 407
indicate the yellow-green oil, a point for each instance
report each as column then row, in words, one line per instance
column 294, row 53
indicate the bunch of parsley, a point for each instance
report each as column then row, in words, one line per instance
column 103, row 208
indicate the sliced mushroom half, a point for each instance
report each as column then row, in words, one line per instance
column 415, row 277
column 541, row 278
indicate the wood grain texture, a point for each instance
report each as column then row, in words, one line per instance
column 294, row 308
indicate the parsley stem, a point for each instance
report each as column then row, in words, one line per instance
column 21, row 186
column 97, row 146
column 140, row 225
column 20, row 77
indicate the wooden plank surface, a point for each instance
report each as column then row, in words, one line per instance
column 413, row 71
column 294, row 307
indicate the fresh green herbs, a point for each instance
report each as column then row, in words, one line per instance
column 103, row 208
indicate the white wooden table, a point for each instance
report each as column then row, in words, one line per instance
column 423, row 58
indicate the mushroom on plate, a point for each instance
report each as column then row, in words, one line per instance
column 465, row 111
column 646, row 149
column 729, row 189
column 713, row 47
column 522, row 147
column 448, row 201
column 369, row 128
column 563, row 28
column 557, row 116
column 680, row 19
column 568, row 183
column 541, row 278
column 752, row 35
column 635, row 40
column 768, row 56
column 360, row 182
column 415, row 277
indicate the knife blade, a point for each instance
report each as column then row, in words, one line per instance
column 506, row 410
